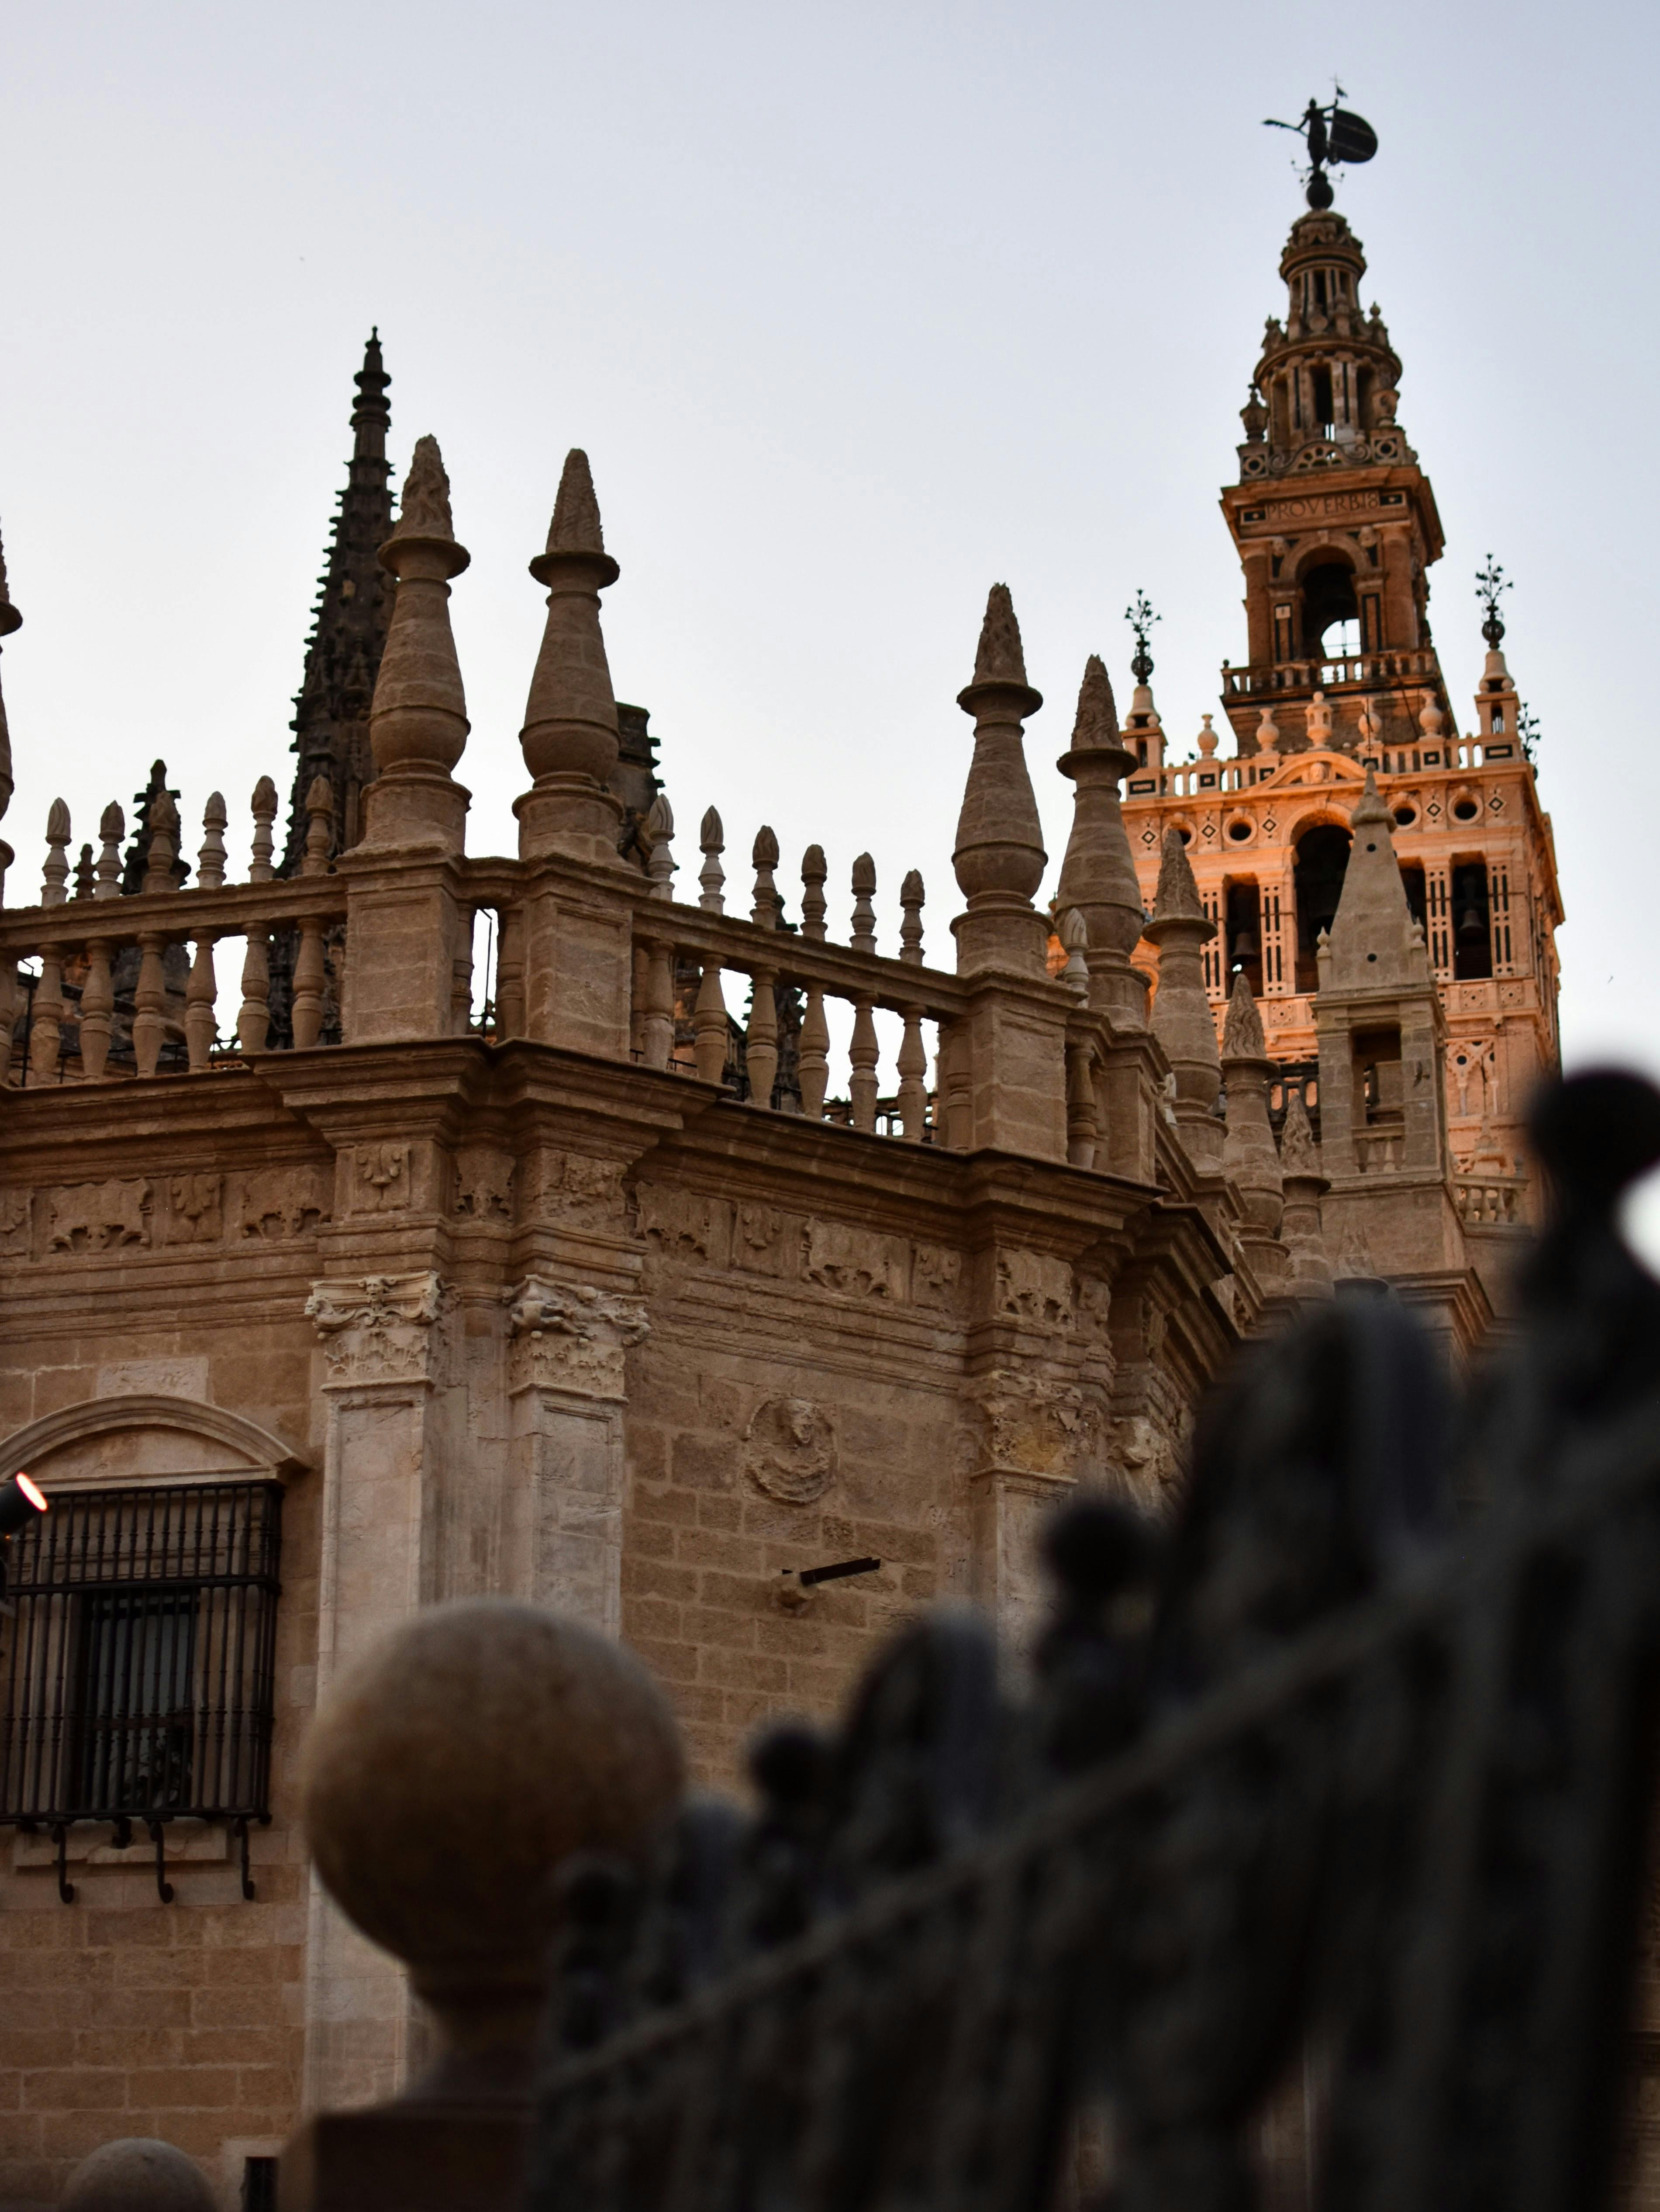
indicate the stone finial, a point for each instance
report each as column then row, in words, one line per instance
column 1373, row 943
column 1000, row 857
column 1318, row 723
column 1181, row 1018
column 570, row 738
column 1178, row 894
column 1431, row 719
column 1302, row 1184
column 1298, row 1153
column 712, row 841
column 814, row 870
column 320, row 823
column 484, row 1717
column 164, row 826
column 1242, row 1031
column 54, row 874
column 83, row 874
column 660, row 863
column 1074, row 942
column 1097, row 876
column 210, row 860
column 767, row 911
column 863, row 938
column 264, row 806
column 138, row 2173
column 911, row 897
column 418, row 715
column 1208, row 739
column 112, row 828
column 1267, row 731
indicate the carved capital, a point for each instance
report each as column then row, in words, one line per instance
column 1034, row 1428
column 570, row 1336
column 377, row 1328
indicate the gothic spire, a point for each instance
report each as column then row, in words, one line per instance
column 354, row 610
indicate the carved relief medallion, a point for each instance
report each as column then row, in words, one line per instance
column 789, row 1450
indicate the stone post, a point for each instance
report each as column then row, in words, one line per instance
column 405, row 923
column 578, row 940
column 1181, row 1018
column 1248, row 1158
column 1304, row 1185
column 1097, row 876
column 1013, row 1038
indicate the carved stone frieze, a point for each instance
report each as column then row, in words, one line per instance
column 382, row 1179
column 789, row 1450
column 281, row 1202
column 15, row 1218
column 572, row 1336
column 936, row 1273
column 1033, row 1287
column 195, row 1209
column 483, row 1185
column 683, row 1225
column 761, row 1243
column 97, row 1217
column 576, row 1192
column 376, row 1327
column 857, row 1262
column 1035, row 1427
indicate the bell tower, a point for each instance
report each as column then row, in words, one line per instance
column 1334, row 522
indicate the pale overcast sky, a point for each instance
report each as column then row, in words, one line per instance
column 856, row 309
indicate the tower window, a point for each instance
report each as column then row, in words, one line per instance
column 1329, row 598
column 1323, row 414
column 1472, row 928
column 1243, row 922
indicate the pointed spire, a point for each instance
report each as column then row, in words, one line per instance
column 570, row 736
column 1373, row 941
column 1249, row 1156
column 1181, row 1018
column 418, row 717
column 354, row 610
column 1303, row 1183
column 1097, row 876
column 1000, row 855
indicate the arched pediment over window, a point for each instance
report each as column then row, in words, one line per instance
column 145, row 1438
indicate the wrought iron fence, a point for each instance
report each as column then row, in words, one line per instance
column 1333, row 1776
column 136, row 1674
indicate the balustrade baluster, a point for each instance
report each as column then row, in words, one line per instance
column 1083, row 1117
column 309, row 970
column 913, row 1071
column 201, row 991
column 812, row 1055
column 509, row 973
column 712, row 837
column 253, row 1019
column 150, row 998
column 760, row 1042
column 210, row 860
column 46, row 1016
column 658, row 1040
column 862, row 1054
column 264, row 813
column 308, row 977
column 956, row 1096
column 709, row 1023
column 767, row 911
column 163, row 847
column 97, row 1011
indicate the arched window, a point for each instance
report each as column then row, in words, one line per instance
column 1328, row 599
column 1322, row 857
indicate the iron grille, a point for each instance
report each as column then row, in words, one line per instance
column 135, row 1676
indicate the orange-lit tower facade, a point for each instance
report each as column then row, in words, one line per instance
column 1336, row 529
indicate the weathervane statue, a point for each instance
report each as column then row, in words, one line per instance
column 1332, row 134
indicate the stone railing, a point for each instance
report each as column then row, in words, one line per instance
column 1328, row 675
column 1377, row 1151
column 1490, row 1201
column 105, row 988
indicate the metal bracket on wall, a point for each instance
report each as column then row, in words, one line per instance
column 158, row 1837
column 60, row 1835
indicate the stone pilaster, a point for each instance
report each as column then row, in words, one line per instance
column 566, row 1393
column 383, row 1353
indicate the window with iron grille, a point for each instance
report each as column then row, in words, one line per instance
column 136, row 1665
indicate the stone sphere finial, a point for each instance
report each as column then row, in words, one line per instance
column 448, row 1774
column 139, row 2173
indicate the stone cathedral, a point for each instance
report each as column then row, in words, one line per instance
column 340, row 1277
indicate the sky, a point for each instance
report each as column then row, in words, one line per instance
column 856, row 311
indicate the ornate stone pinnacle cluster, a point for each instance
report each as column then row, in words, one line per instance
column 1177, row 897
column 1242, row 1032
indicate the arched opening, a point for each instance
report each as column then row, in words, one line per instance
column 1472, row 925
column 1329, row 602
column 1243, row 920
column 1322, row 857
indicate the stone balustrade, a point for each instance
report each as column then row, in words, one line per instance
column 1490, row 1201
